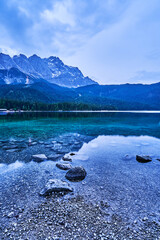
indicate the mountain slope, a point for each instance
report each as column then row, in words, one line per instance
column 139, row 93
column 51, row 69
column 122, row 97
column 6, row 62
column 38, row 92
column 15, row 76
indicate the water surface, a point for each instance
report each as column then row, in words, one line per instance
column 45, row 125
column 106, row 144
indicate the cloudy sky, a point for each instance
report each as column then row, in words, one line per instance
column 112, row 41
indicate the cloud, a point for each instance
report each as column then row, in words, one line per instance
column 145, row 76
column 154, row 54
column 114, row 54
column 6, row 44
column 59, row 26
column 68, row 24
column 111, row 40
column 61, row 13
column 8, row 50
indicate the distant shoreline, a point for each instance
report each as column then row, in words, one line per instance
column 87, row 111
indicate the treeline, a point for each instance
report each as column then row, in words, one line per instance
column 38, row 106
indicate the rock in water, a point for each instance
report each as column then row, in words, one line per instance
column 22, row 145
column 143, row 159
column 12, row 150
column 39, row 157
column 64, row 166
column 9, row 147
column 76, row 174
column 67, row 158
column 62, row 150
column 72, row 154
column 55, row 185
column 54, row 156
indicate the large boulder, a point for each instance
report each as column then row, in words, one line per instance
column 64, row 166
column 143, row 159
column 39, row 157
column 76, row 174
column 55, row 185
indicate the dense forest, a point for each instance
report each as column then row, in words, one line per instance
column 38, row 106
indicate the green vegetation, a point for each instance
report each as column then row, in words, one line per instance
column 122, row 97
column 38, row 106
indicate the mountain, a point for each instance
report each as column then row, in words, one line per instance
column 122, row 97
column 15, row 76
column 24, row 65
column 49, row 80
column 133, row 93
column 35, row 68
column 6, row 62
column 38, row 92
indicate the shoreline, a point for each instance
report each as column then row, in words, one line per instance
column 88, row 111
column 74, row 216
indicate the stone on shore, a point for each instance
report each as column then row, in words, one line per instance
column 143, row 159
column 64, row 166
column 55, row 185
column 76, row 174
column 39, row 157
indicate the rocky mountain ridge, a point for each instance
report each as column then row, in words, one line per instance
column 22, row 69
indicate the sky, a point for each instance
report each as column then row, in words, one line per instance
column 111, row 41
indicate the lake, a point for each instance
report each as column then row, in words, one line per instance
column 105, row 144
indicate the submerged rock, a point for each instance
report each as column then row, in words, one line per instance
column 64, row 166
column 62, row 150
column 54, row 156
column 127, row 157
column 49, row 146
column 143, row 159
column 67, row 158
column 76, row 174
column 9, row 147
column 55, row 185
column 33, row 143
column 39, row 157
column 13, row 150
column 22, row 145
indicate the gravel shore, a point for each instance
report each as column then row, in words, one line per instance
column 27, row 216
column 75, row 219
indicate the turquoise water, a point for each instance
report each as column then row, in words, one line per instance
column 46, row 125
column 108, row 153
